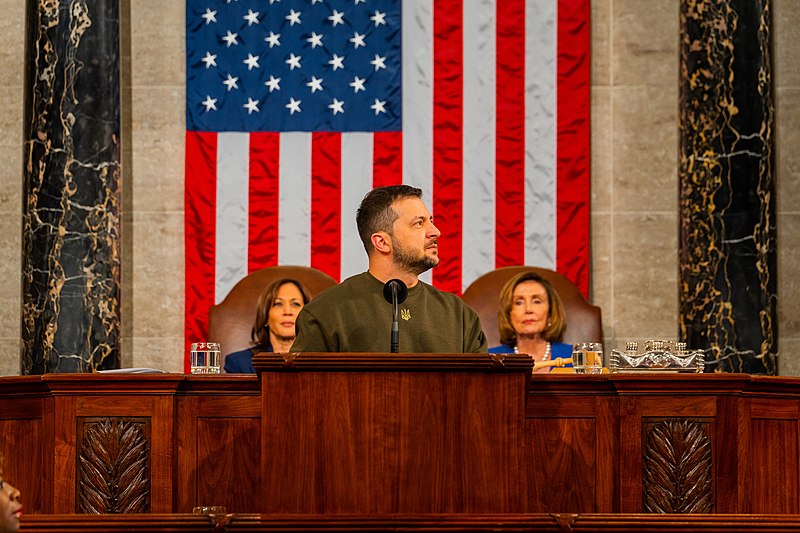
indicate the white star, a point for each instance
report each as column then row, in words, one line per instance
column 315, row 40
column 231, row 82
column 273, row 1
column 336, row 18
column 293, row 61
column 230, row 38
column 378, row 62
column 209, row 16
column 293, row 17
column 357, row 84
column 252, row 18
column 273, row 39
column 315, row 1
column 293, row 105
column 378, row 106
column 251, row 105
column 210, row 60
column 251, row 61
column 315, row 84
column 336, row 106
column 378, row 18
column 337, row 62
column 210, row 103
column 357, row 39
column 359, row 1
column 273, row 83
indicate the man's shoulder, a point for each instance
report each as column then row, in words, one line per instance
column 434, row 290
column 448, row 297
column 335, row 292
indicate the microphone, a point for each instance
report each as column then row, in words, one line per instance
column 395, row 292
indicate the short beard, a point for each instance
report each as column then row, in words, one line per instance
column 411, row 263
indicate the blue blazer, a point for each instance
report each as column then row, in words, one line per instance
column 557, row 349
column 242, row 362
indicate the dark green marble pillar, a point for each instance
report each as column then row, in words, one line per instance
column 71, row 175
column 727, row 189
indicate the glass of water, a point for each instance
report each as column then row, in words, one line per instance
column 204, row 358
column 587, row 357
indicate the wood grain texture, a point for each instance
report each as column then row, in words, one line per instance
column 551, row 523
column 22, row 438
column 388, row 442
column 218, row 446
column 752, row 426
column 771, row 479
column 563, row 466
column 228, row 462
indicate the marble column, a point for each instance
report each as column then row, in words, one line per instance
column 728, row 289
column 71, row 175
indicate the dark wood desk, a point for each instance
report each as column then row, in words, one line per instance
column 539, row 523
column 593, row 444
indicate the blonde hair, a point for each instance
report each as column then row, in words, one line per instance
column 556, row 321
column 260, row 333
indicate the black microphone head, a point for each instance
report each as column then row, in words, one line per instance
column 400, row 290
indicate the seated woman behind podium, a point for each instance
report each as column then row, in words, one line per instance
column 274, row 329
column 531, row 320
column 10, row 506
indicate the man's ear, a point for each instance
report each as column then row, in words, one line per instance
column 382, row 242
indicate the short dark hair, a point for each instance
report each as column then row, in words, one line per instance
column 259, row 333
column 556, row 321
column 375, row 212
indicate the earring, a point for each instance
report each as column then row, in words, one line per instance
column 549, row 323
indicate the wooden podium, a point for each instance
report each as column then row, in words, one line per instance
column 393, row 433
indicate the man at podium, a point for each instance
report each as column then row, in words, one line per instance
column 361, row 313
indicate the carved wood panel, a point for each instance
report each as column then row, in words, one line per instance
column 677, row 467
column 113, row 457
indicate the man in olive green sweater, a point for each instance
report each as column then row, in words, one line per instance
column 401, row 242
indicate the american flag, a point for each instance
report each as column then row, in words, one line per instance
column 296, row 108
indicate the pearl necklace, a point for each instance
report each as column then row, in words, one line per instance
column 547, row 350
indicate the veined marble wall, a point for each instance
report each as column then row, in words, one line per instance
column 634, row 175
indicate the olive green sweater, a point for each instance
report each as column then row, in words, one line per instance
column 354, row 317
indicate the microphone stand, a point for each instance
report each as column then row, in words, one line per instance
column 395, row 292
column 395, row 323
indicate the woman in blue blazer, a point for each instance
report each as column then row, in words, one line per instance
column 274, row 329
column 531, row 320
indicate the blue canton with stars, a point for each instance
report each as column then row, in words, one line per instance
column 293, row 65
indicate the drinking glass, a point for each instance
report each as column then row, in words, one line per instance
column 587, row 357
column 205, row 358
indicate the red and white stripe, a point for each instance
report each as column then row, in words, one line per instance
column 495, row 133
